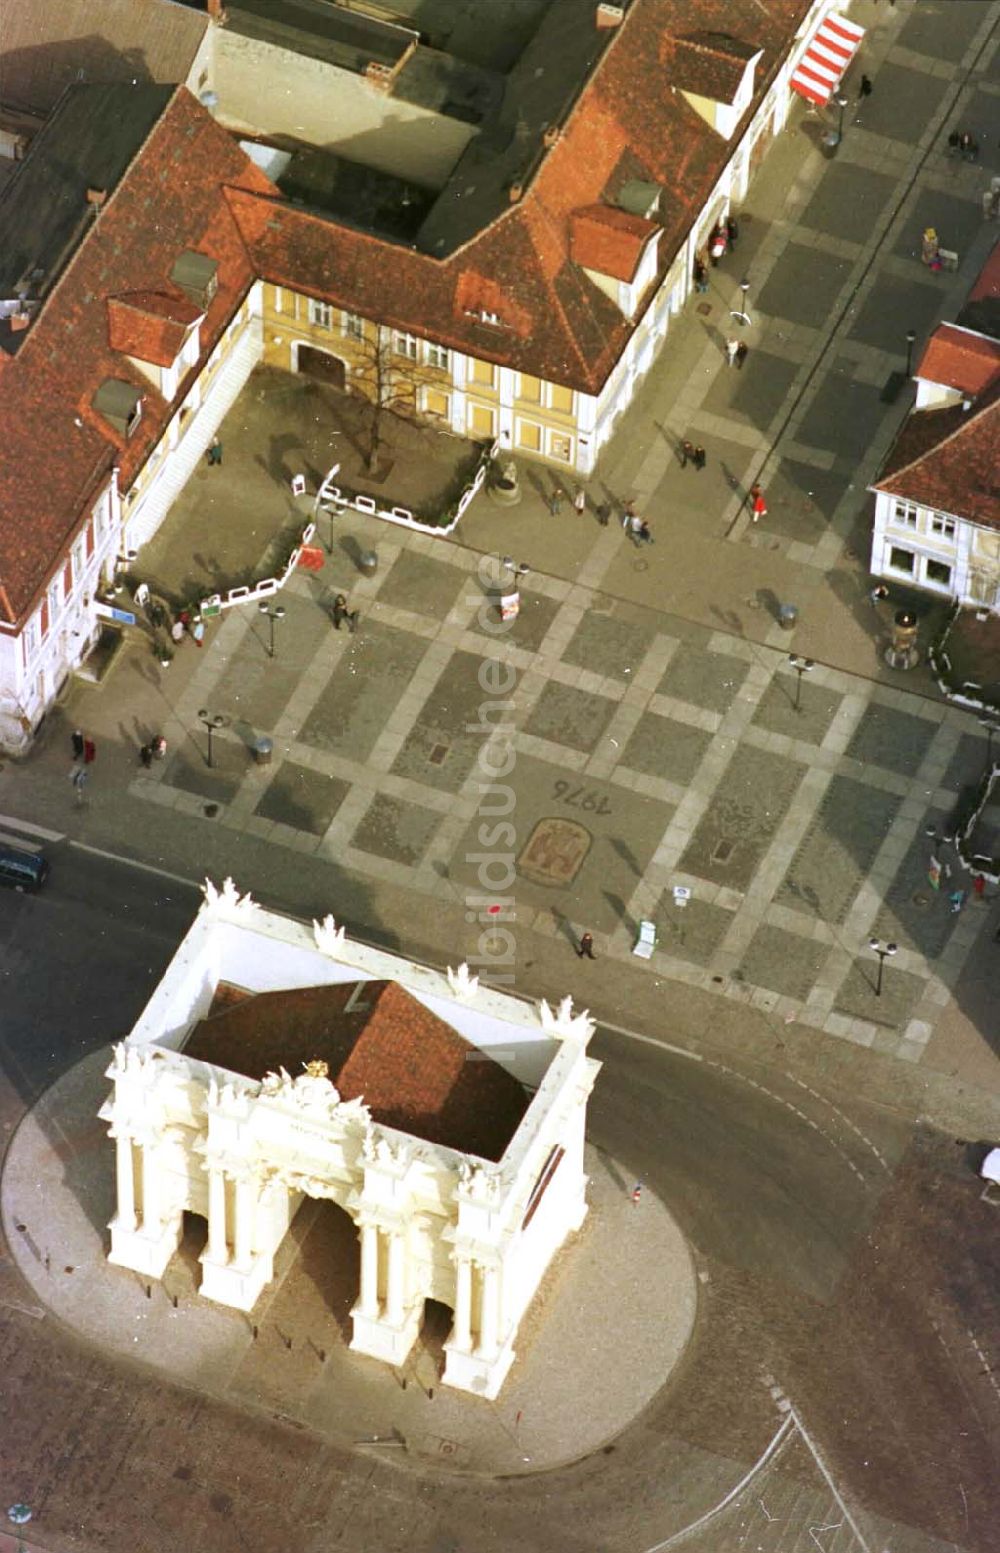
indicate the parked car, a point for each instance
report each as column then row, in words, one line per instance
column 22, row 870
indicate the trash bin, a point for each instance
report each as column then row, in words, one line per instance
column 262, row 749
column 788, row 616
column 368, row 563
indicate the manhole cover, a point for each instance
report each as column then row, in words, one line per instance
column 438, row 755
column 640, row 566
column 723, row 851
column 704, row 308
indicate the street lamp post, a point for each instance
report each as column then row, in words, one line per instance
column 884, row 952
column 911, row 335
column 740, row 314
column 210, row 721
column 271, row 615
column 801, row 666
column 841, row 104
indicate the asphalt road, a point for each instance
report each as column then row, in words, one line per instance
column 845, row 1261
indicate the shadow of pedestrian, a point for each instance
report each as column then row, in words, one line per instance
column 769, row 600
column 728, row 618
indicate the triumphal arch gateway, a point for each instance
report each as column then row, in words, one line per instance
column 276, row 1062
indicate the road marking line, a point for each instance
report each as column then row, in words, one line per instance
column 762, row 1461
column 648, row 1040
column 133, row 862
column 32, row 830
column 817, row 1458
column 19, row 843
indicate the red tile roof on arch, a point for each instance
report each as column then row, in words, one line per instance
column 381, row 1045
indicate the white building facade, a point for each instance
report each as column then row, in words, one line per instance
column 433, row 1222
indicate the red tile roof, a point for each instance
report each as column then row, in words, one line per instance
column 513, row 262
column 948, row 459
column 957, row 358
column 382, row 1045
column 150, row 325
column 553, row 321
column 609, row 240
column 711, row 64
column 57, row 451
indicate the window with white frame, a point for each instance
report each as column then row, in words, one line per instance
column 320, row 314
column 354, row 326
column 438, row 356
column 905, row 514
column 405, row 345
column 942, row 527
column 560, row 447
column 938, row 574
column 55, row 596
column 902, row 560
column 32, row 636
column 79, row 553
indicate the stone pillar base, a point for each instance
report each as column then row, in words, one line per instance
column 239, row 1287
column 141, row 1252
column 376, row 1337
column 473, row 1372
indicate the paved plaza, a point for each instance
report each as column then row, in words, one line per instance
column 647, row 752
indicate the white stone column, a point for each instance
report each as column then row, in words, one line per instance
column 125, row 1181
column 243, row 1233
column 218, row 1240
column 150, row 1192
column 461, row 1333
column 397, row 1270
column 489, row 1306
column 369, row 1269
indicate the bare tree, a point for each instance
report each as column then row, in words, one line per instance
column 389, row 380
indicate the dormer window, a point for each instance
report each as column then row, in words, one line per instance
column 120, row 404
column 197, row 276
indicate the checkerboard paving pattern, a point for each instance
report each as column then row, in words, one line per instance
column 644, row 753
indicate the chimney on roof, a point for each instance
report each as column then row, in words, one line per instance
column 515, row 192
column 96, row 197
column 18, row 321
column 609, row 15
column 967, row 403
column 550, row 136
column 216, row 10
column 379, row 75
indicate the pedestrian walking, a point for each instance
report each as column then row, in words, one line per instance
column 198, row 630
column 956, row 900
column 642, row 533
column 76, row 740
column 687, row 453
column 637, row 1192
column 758, row 506
column 146, row 757
column 342, row 612
column 580, row 500
column 742, row 352
column 732, row 231
column 585, row 948
column 78, row 777
column 878, row 594
column 979, row 888
column 177, row 631
column 628, row 509
column 158, row 745
column 89, row 752
column 700, row 274
column 732, row 348
column 718, row 243
column 556, row 501
column 699, row 457
column 215, row 451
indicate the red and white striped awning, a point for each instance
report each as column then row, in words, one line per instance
column 830, row 51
